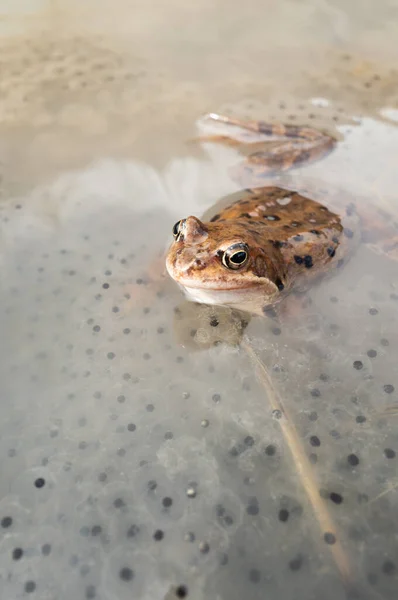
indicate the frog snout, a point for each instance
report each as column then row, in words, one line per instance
column 195, row 232
column 189, row 259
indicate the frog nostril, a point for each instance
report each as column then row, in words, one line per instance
column 199, row 264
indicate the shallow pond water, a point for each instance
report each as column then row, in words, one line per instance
column 151, row 448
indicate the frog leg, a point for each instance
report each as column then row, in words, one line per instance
column 225, row 140
column 292, row 307
column 297, row 145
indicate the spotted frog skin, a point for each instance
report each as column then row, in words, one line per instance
column 268, row 242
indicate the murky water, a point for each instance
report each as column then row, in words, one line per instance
column 143, row 453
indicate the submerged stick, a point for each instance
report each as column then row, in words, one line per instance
column 303, row 467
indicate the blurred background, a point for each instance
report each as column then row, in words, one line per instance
column 142, row 453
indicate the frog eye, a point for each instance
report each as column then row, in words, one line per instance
column 178, row 228
column 236, row 256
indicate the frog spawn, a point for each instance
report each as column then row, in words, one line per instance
column 148, row 459
column 101, row 415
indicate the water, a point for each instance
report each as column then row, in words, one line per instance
column 143, row 454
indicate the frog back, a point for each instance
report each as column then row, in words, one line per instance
column 310, row 239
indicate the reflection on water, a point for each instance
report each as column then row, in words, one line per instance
column 156, row 448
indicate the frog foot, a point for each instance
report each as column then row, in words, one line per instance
column 290, row 308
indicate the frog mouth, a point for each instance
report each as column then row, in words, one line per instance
column 205, row 294
column 193, row 285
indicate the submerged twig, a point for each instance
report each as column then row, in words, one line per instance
column 303, row 467
column 391, row 487
column 391, row 411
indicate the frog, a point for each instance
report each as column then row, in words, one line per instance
column 270, row 242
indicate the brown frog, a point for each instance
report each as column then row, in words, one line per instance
column 270, row 241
